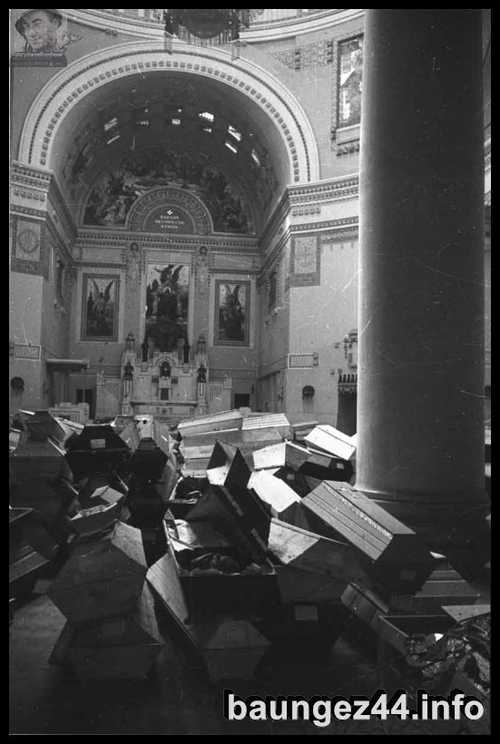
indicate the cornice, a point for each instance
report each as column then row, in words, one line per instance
column 112, row 239
column 282, row 28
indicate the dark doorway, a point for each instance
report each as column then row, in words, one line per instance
column 242, row 400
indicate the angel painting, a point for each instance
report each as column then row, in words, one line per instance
column 100, row 295
column 232, row 313
column 167, row 299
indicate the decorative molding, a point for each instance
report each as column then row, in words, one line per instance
column 303, row 211
column 67, row 88
column 348, row 148
column 328, row 190
column 346, row 222
column 113, row 239
column 285, row 27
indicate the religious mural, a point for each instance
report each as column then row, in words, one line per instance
column 114, row 193
column 167, row 305
column 100, row 308
column 40, row 37
column 232, row 306
column 350, row 79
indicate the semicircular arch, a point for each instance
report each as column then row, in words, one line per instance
column 68, row 88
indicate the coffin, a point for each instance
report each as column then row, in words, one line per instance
column 402, row 632
column 296, row 548
column 328, row 439
column 214, row 422
column 284, row 503
column 277, row 422
column 95, row 519
column 147, row 461
column 25, row 561
column 443, row 587
column 364, row 604
column 215, row 576
column 41, row 479
column 122, row 647
column 228, row 647
column 98, row 449
column 397, row 560
column 103, row 577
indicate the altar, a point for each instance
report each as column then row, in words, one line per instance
column 165, row 384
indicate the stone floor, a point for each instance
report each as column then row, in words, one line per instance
column 177, row 699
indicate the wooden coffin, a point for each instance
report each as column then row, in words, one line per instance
column 458, row 613
column 231, row 648
column 285, row 504
column 402, row 632
column 364, row 604
column 302, row 461
column 41, row 480
column 227, row 467
column 238, row 514
column 301, row 429
column 42, row 425
column 443, row 587
column 214, row 574
column 103, row 577
column 122, row 647
column 279, row 455
column 323, row 466
column 147, row 461
column 328, row 439
column 95, row 519
column 166, row 484
column 214, row 422
column 25, row 561
column 397, row 560
column 98, row 449
column 276, row 422
column 306, row 621
column 128, row 433
column 26, row 528
column 301, row 549
column 228, row 647
column 230, row 436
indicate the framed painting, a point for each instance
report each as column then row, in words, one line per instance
column 40, row 37
column 167, row 306
column 100, row 307
column 232, row 313
column 350, row 65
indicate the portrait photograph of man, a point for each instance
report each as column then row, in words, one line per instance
column 40, row 36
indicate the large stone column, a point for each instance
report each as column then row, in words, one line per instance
column 421, row 326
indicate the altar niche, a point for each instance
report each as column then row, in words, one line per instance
column 167, row 307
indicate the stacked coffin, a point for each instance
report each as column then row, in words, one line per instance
column 111, row 629
column 248, row 433
column 30, row 550
column 216, row 578
column 40, row 476
column 301, row 467
column 242, row 571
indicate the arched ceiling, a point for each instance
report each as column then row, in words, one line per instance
column 167, row 129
